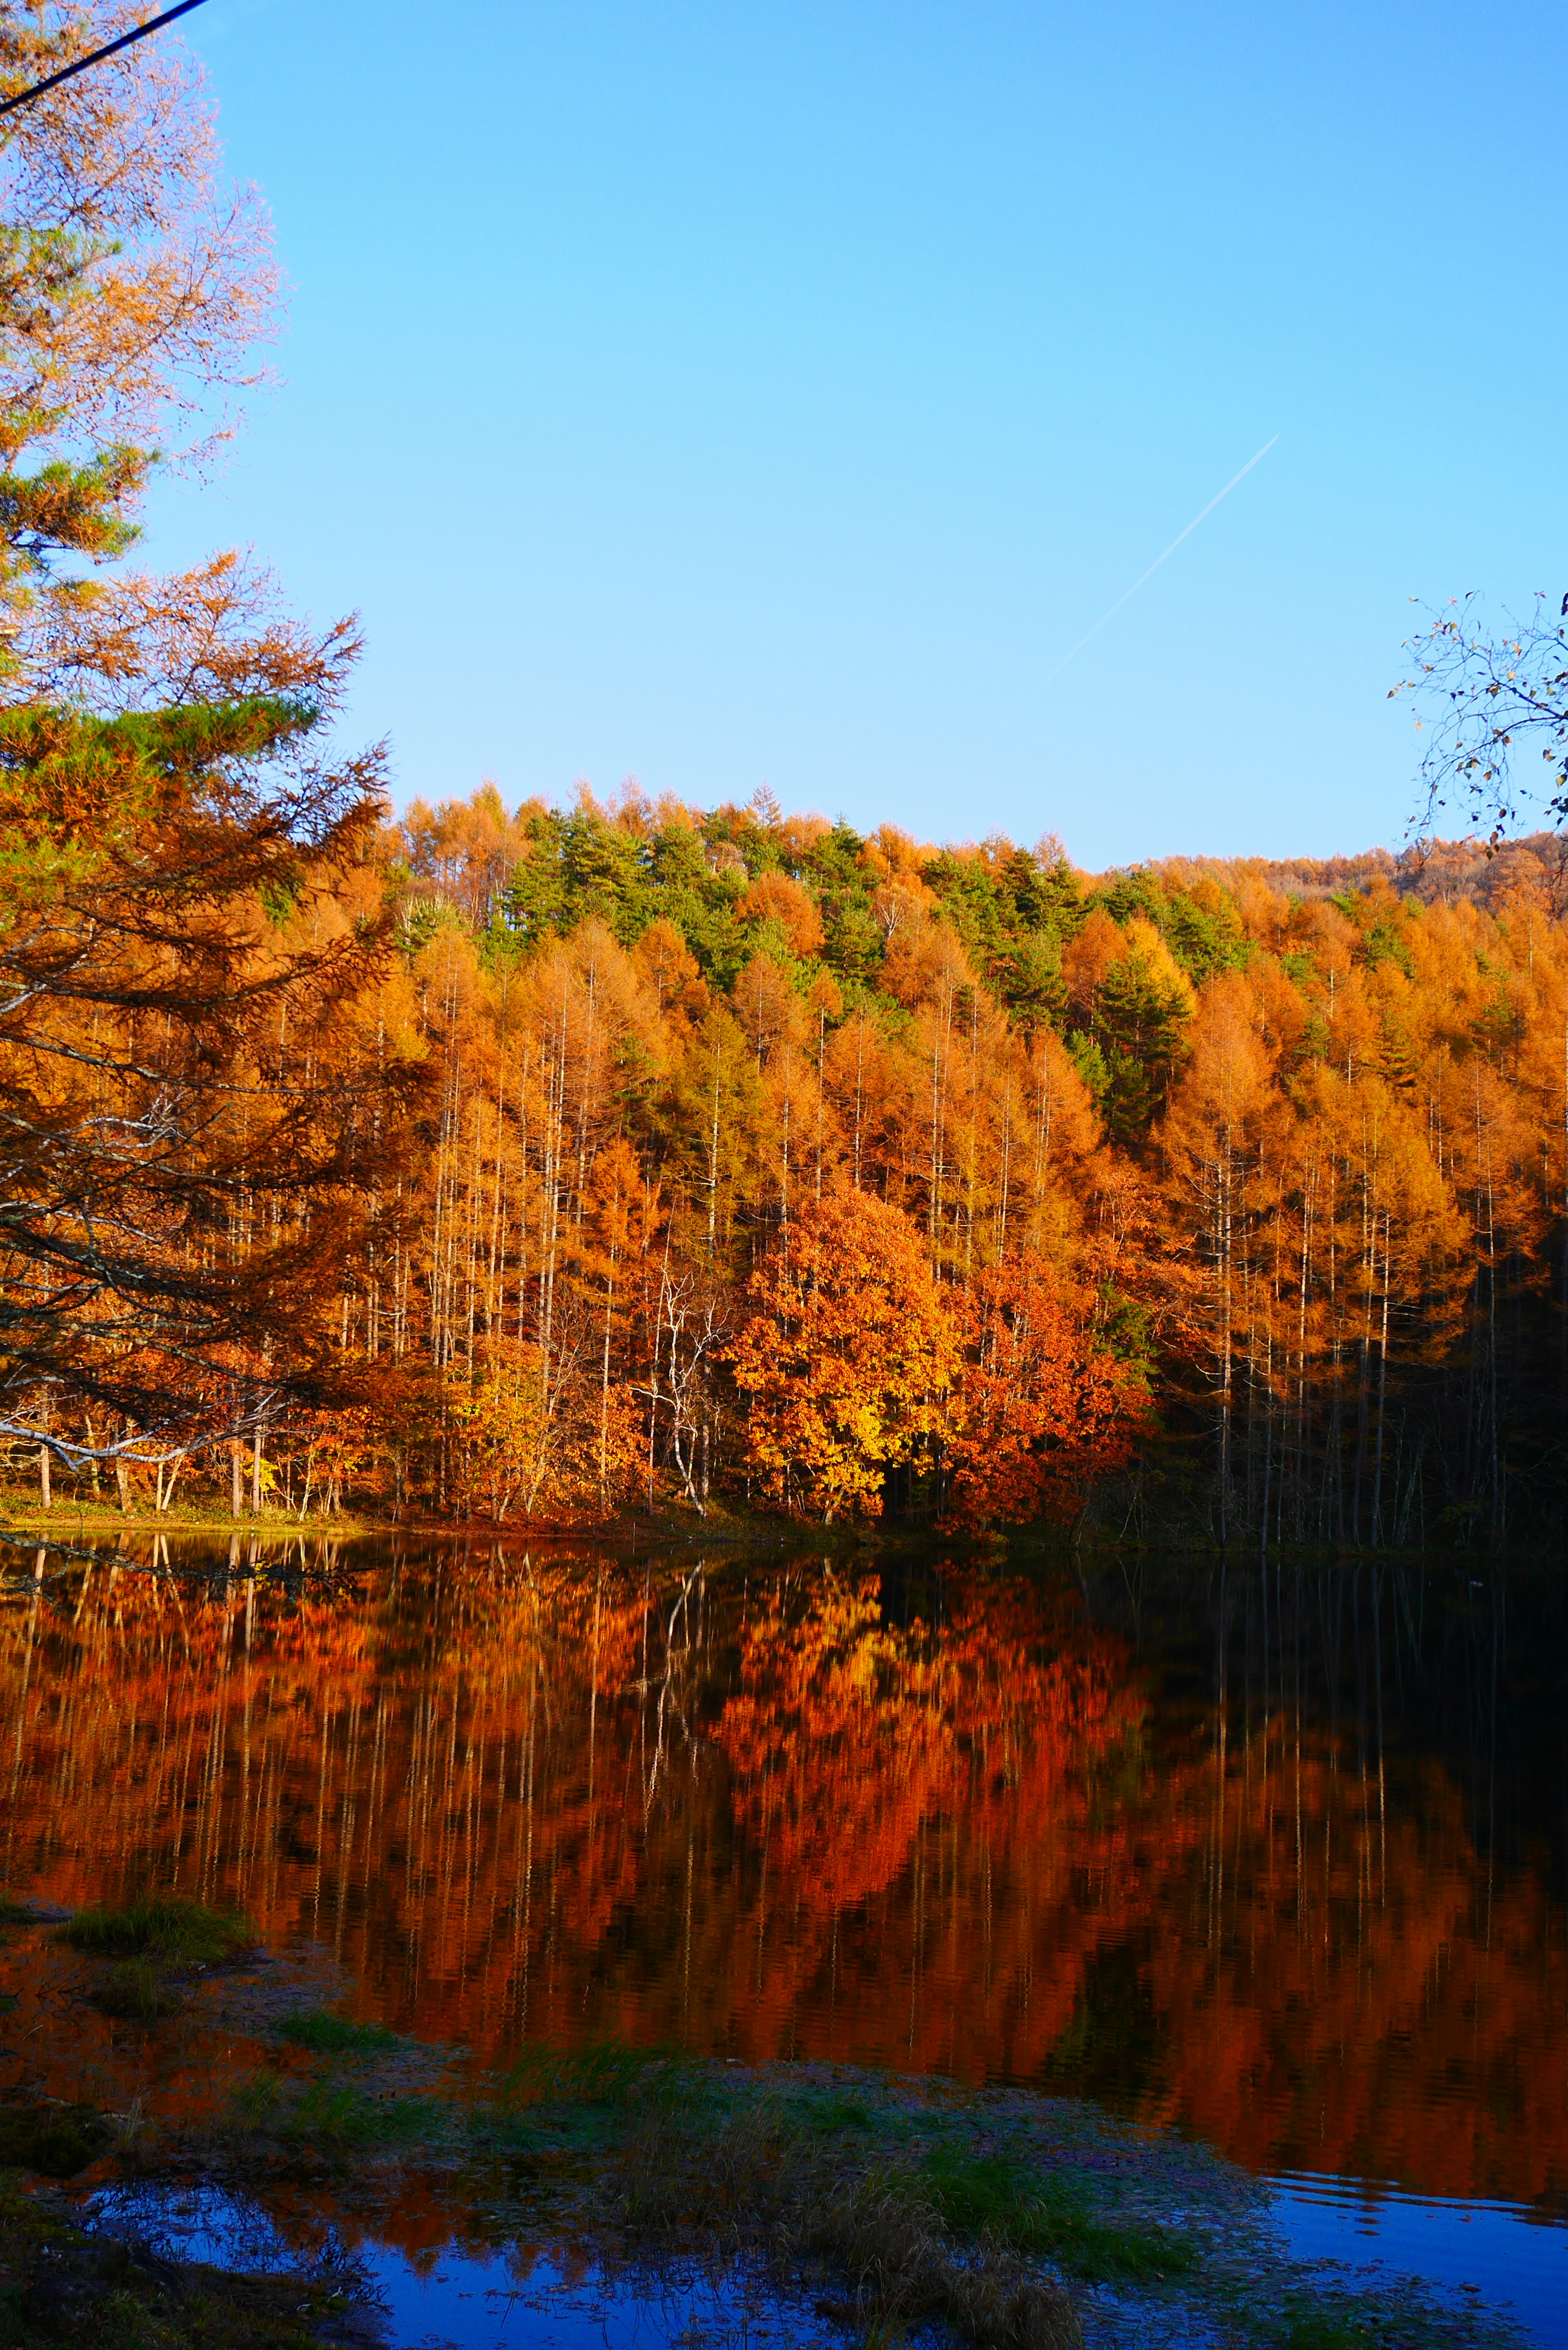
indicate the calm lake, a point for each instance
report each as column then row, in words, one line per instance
column 1275, row 1855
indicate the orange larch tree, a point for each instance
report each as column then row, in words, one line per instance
column 1043, row 1407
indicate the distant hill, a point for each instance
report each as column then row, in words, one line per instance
column 1438, row 872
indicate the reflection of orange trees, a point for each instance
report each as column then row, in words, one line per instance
column 386, row 1780
column 1346, row 1984
column 554, row 1799
column 921, row 1803
column 848, row 1734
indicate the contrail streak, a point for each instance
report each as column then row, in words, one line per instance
column 1129, row 593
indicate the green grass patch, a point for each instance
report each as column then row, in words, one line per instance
column 334, row 2035
column 1106, row 2251
column 831, row 2117
column 14, row 1913
column 138, row 1990
column 1324, row 2329
column 997, row 2197
column 57, row 2140
column 335, row 2117
column 606, row 2072
column 348, row 2120
column 159, row 1926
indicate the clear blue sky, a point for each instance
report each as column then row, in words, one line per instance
column 736, row 394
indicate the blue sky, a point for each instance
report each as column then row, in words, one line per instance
column 740, row 395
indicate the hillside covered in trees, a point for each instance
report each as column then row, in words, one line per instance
column 1298, row 1158
column 732, row 1157
column 543, row 1165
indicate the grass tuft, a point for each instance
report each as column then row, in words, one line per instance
column 1325, row 2329
column 346, row 2120
column 675, row 2176
column 337, row 2118
column 831, row 2117
column 892, row 2247
column 159, row 1926
column 334, row 2035
column 993, row 2197
column 877, row 2234
column 57, row 2141
column 606, row 2072
column 138, row 1990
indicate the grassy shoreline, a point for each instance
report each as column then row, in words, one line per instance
column 635, row 1533
column 639, row 1534
column 887, row 2206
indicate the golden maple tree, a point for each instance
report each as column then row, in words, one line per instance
column 845, row 1356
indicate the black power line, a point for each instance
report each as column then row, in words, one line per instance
column 81, row 64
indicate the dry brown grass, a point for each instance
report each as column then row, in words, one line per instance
column 890, row 2246
column 873, row 2235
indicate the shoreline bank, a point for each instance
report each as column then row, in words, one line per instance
column 851, row 2206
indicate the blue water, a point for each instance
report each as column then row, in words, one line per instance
column 1498, row 2256
column 482, row 2303
column 1493, row 2256
column 464, row 2299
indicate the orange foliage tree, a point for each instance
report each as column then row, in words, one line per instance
column 190, row 914
column 845, row 1358
column 1044, row 1407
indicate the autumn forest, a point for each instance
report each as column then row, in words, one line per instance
column 644, row 1155
column 548, row 1165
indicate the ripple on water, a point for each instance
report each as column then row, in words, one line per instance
column 1499, row 2256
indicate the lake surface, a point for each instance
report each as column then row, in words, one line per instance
column 1276, row 1856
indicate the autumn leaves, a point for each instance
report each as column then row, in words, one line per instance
column 657, row 1237
column 536, row 1162
column 845, row 1358
column 853, row 1364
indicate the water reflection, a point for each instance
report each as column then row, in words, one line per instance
column 470, row 2295
column 1278, row 1857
